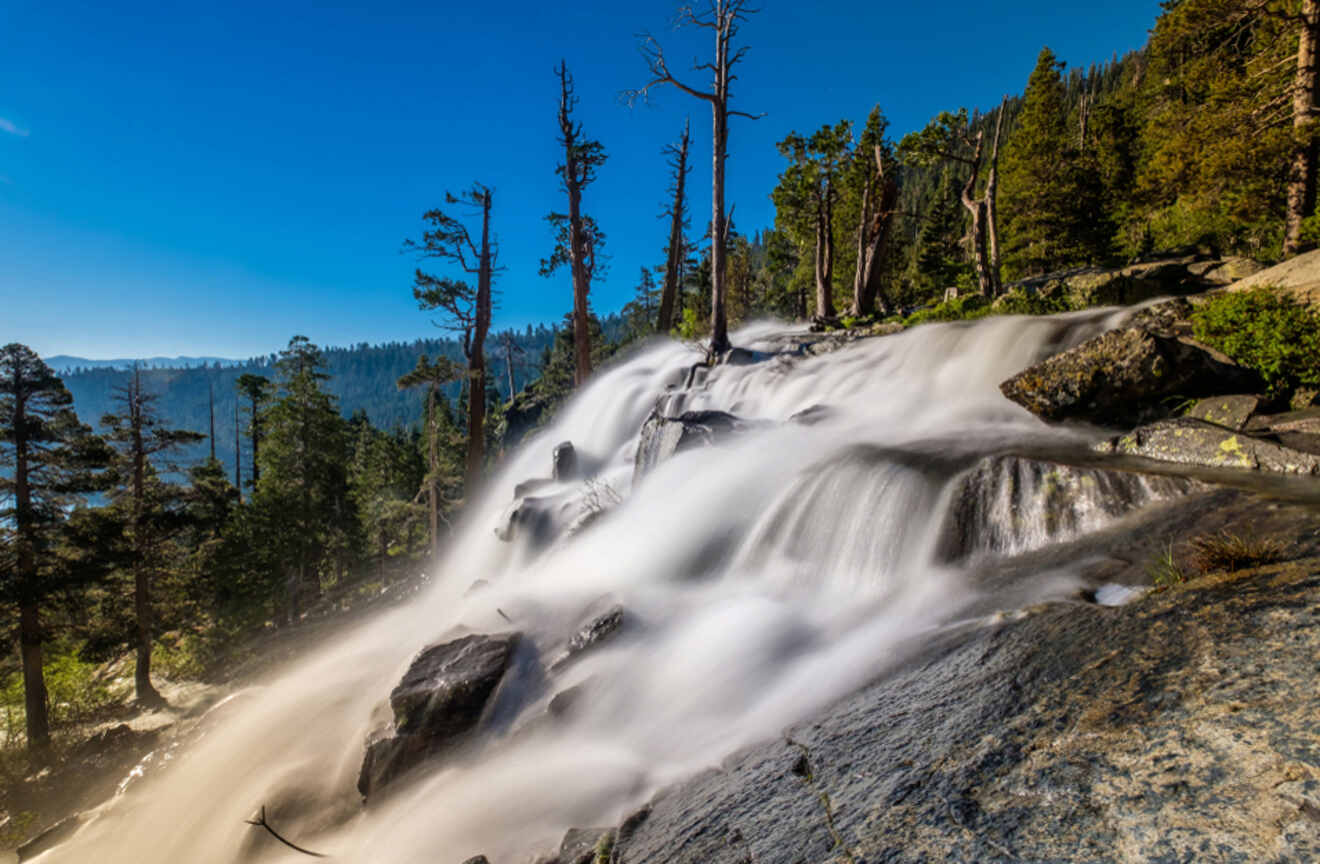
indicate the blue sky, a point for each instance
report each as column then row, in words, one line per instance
column 212, row 178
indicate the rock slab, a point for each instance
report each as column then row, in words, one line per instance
column 1189, row 441
column 1124, row 377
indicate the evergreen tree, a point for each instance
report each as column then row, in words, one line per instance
column 303, row 464
column 49, row 459
column 433, row 376
column 149, row 507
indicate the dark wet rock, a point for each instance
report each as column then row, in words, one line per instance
column 580, row 845
column 740, row 357
column 440, row 698
column 477, row 859
column 565, row 702
column 597, row 628
column 1231, row 412
column 565, row 462
column 811, row 416
column 1194, row 442
column 1125, row 376
column 538, row 519
column 527, row 487
column 1012, row 504
column 52, row 836
column 1177, row 728
column 663, row 436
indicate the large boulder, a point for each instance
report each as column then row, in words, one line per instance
column 439, row 700
column 1094, row 286
column 598, row 626
column 1298, row 277
column 663, row 436
column 1189, row 441
column 1124, row 377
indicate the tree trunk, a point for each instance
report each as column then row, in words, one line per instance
column 977, row 208
column 873, row 235
column 824, row 257
column 862, row 304
column 476, row 449
column 35, row 705
column 145, row 692
column 674, row 263
column 256, row 443
column 992, row 206
column 1302, row 176
column 433, row 461
column 719, row 323
column 238, row 455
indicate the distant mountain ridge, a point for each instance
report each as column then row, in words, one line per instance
column 363, row 378
column 63, row 363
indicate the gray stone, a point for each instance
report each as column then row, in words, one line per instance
column 438, row 701
column 1231, row 412
column 662, row 437
column 1124, row 377
column 1164, row 730
column 565, row 462
column 1194, row 442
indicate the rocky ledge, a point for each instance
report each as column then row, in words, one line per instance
column 1178, row 728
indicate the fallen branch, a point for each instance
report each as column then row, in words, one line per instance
column 260, row 822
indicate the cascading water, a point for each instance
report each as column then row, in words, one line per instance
column 762, row 577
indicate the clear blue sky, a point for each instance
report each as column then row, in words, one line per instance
column 211, row 178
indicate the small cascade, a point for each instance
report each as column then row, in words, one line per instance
column 781, row 539
column 1007, row 505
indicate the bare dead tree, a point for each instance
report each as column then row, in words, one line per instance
column 449, row 239
column 678, row 220
column 577, row 238
column 992, row 204
column 723, row 18
column 511, row 349
column 1305, row 113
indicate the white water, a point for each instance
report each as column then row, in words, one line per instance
column 768, row 576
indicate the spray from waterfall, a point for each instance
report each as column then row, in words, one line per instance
column 762, row 578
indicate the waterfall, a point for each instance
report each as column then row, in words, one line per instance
column 763, row 576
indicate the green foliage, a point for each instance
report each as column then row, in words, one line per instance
column 1164, row 570
column 691, row 327
column 962, row 308
column 1020, row 302
column 74, row 687
column 1265, row 331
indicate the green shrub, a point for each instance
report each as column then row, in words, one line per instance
column 73, row 691
column 1020, row 302
column 962, row 308
column 1265, row 331
column 691, row 326
column 1164, row 571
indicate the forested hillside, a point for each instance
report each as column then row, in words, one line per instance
column 362, row 378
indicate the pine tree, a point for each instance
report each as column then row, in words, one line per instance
column 433, row 376
column 49, row 459
column 303, row 466
column 147, row 504
column 1051, row 200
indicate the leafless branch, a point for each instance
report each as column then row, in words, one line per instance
column 260, row 822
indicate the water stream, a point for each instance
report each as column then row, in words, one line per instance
column 763, row 578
